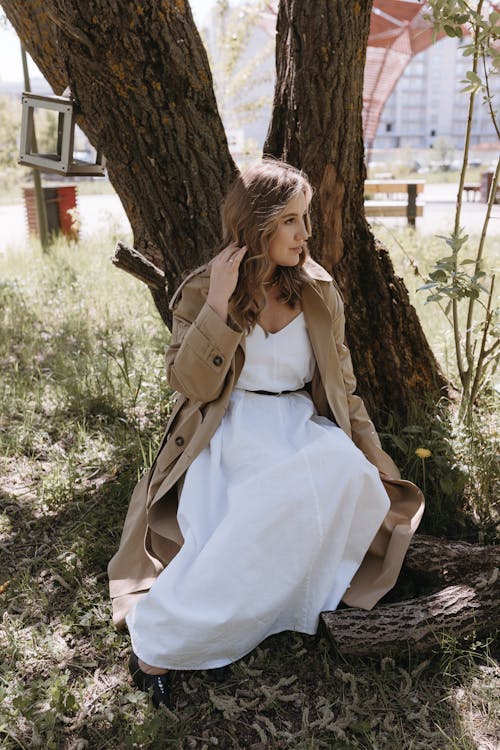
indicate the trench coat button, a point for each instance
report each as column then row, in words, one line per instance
column 217, row 360
column 179, row 441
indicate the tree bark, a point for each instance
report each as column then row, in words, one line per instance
column 443, row 560
column 316, row 125
column 141, row 78
column 128, row 259
column 470, row 605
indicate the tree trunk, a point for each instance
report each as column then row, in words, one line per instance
column 320, row 58
column 469, row 606
column 140, row 75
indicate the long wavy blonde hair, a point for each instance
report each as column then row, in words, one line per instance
column 250, row 214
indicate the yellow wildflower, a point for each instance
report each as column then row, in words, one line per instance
column 423, row 452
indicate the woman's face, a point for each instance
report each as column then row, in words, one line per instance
column 287, row 243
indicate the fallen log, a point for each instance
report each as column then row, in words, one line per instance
column 470, row 606
column 448, row 560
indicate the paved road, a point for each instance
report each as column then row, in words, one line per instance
column 100, row 212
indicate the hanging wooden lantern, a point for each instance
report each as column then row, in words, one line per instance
column 62, row 161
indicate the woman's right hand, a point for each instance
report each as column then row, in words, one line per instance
column 224, row 271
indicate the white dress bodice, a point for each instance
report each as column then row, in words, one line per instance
column 281, row 361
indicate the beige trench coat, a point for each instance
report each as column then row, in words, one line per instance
column 204, row 361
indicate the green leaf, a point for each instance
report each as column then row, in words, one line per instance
column 400, row 443
column 438, row 275
column 456, row 241
column 467, row 261
column 473, row 77
column 446, row 485
column 448, row 267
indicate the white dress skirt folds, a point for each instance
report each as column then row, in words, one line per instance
column 277, row 514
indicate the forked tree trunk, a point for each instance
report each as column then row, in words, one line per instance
column 316, row 125
column 140, row 75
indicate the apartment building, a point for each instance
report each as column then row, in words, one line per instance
column 427, row 102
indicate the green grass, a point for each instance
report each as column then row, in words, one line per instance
column 83, row 403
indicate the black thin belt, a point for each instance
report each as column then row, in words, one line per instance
column 276, row 393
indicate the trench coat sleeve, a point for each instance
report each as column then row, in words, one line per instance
column 363, row 430
column 202, row 346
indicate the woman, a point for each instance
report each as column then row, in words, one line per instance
column 265, row 504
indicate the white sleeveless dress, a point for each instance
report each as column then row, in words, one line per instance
column 276, row 514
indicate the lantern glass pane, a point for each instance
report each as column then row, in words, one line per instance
column 46, row 139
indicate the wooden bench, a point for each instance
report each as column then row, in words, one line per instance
column 472, row 187
column 406, row 205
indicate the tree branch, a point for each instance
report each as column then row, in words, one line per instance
column 133, row 262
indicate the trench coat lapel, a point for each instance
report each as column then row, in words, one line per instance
column 319, row 324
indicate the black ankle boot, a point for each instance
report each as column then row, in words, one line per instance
column 158, row 685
